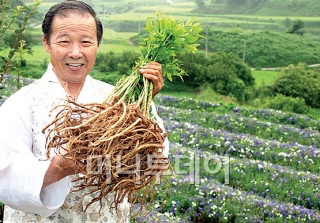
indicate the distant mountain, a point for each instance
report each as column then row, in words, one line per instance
column 262, row 7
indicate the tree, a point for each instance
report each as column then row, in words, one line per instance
column 224, row 72
column 296, row 27
column 13, row 26
column 193, row 64
column 297, row 81
column 228, row 75
column 200, row 3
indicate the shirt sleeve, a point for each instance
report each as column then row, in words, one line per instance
column 21, row 172
column 161, row 125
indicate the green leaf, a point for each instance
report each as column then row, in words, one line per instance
column 190, row 21
column 191, row 39
column 169, row 76
column 179, row 31
column 149, row 26
column 191, row 48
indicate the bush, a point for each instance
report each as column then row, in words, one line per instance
column 297, row 81
column 34, row 71
column 207, row 94
column 110, row 78
column 110, row 62
column 289, row 104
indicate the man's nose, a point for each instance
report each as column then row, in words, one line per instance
column 75, row 51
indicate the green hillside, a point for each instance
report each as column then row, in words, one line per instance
column 264, row 48
column 264, row 7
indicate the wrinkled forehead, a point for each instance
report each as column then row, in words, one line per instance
column 75, row 19
column 74, row 23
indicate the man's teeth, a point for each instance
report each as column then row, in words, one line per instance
column 75, row 65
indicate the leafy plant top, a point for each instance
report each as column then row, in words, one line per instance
column 167, row 37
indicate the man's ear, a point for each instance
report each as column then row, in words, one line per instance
column 46, row 44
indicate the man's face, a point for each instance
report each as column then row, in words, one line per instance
column 73, row 46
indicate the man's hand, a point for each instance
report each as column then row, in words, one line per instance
column 153, row 72
column 61, row 167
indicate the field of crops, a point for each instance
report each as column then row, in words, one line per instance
column 238, row 165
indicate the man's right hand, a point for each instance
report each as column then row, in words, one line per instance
column 61, row 167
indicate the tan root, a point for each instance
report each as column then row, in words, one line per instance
column 122, row 149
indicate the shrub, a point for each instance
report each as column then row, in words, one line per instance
column 110, row 77
column 289, row 104
column 297, row 81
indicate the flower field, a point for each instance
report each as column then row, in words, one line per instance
column 238, row 165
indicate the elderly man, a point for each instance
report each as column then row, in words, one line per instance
column 34, row 189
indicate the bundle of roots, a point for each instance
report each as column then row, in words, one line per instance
column 121, row 148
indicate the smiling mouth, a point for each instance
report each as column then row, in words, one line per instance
column 74, row 66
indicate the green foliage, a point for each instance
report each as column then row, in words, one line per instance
column 207, row 94
column 200, row 3
column 7, row 40
column 296, row 27
column 167, row 38
column 33, row 70
column 264, row 91
column 110, row 77
column 177, row 86
column 225, row 73
column 194, row 67
column 289, row 104
column 266, row 7
column 124, row 26
column 264, row 48
column 13, row 27
column 296, row 81
column 315, row 114
column 111, row 62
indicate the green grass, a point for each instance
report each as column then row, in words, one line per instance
column 111, row 34
column 179, row 94
column 38, row 54
column 264, row 77
column 315, row 113
column 117, row 48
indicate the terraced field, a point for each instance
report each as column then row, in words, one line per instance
column 238, row 165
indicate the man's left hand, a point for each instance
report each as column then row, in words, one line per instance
column 153, row 72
